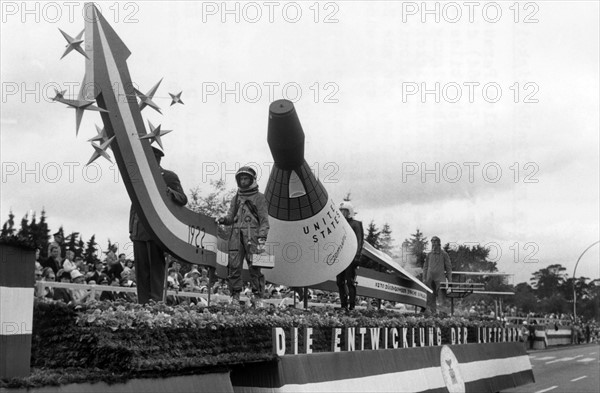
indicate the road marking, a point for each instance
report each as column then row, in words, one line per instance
column 577, row 379
column 547, row 390
column 547, row 358
column 564, row 359
column 585, row 360
column 592, row 353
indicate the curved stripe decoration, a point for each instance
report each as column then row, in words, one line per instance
column 186, row 235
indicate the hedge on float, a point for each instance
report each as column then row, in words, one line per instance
column 119, row 340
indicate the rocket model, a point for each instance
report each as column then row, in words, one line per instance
column 309, row 237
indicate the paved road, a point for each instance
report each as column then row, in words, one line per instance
column 573, row 369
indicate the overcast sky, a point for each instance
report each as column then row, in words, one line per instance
column 508, row 157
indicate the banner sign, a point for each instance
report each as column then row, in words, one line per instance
column 384, row 286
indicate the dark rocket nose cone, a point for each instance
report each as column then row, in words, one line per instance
column 285, row 136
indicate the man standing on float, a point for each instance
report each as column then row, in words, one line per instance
column 437, row 266
column 149, row 257
column 346, row 280
column 249, row 216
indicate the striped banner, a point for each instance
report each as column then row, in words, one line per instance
column 458, row 368
column 16, row 310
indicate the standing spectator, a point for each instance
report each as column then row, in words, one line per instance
column 68, row 264
column 531, row 336
column 250, row 220
column 38, row 274
column 127, row 266
column 437, row 264
column 346, row 280
column 149, row 257
column 173, row 284
column 95, row 275
column 63, row 294
column 525, row 334
column 58, row 242
column 122, row 259
column 113, row 266
column 37, row 290
column 131, row 265
column 204, row 280
column 54, row 260
column 102, row 280
column 110, row 295
column 38, row 261
column 79, row 295
column 126, row 280
column 588, row 333
column 173, row 280
column 81, row 265
column 175, row 265
column 47, row 275
column 193, row 278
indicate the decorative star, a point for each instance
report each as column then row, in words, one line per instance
column 176, row 98
column 100, row 151
column 155, row 134
column 101, row 137
column 73, row 43
column 59, row 95
column 80, row 105
column 146, row 99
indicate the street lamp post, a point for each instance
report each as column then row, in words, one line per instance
column 574, row 277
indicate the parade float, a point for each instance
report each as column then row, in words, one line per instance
column 105, row 346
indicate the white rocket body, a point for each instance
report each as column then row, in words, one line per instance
column 311, row 241
column 312, row 250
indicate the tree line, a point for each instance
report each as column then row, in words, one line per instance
column 36, row 233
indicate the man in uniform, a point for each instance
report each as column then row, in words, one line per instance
column 436, row 266
column 346, row 280
column 149, row 257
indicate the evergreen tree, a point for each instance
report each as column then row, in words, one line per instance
column 90, row 250
column 33, row 228
column 25, row 230
column 71, row 241
column 418, row 247
column 373, row 235
column 373, row 239
column 79, row 250
column 43, row 235
column 9, row 226
column 385, row 239
column 22, row 237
